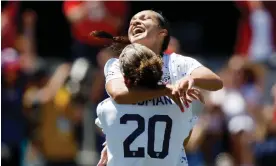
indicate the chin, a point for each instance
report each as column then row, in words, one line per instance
column 135, row 39
column 139, row 39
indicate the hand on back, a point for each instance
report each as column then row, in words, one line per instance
column 183, row 92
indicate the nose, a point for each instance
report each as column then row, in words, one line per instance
column 136, row 22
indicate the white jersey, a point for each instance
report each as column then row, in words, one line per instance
column 147, row 133
column 175, row 67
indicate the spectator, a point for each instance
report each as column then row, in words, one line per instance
column 255, row 33
column 84, row 18
column 265, row 147
column 248, row 79
column 14, row 124
column 21, row 69
column 61, row 114
column 26, row 44
column 238, row 122
column 88, row 16
column 256, row 39
column 8, row 24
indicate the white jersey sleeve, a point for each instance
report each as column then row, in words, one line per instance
column 186, row 64
column 112, row 70
column 99, row 120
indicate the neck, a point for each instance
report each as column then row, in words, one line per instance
column 156, row 50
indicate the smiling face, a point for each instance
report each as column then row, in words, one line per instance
column 144, row 29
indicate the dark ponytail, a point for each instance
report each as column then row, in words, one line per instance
column 118, row 42
column 105, row 35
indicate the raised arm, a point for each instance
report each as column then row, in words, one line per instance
column 202, row 77
column 47, row 93
column 116, row 88
column 205, row 79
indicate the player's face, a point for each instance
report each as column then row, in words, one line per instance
column 144, row 29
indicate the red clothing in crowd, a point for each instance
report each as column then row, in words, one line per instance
column 82, row 28
column 244, row 30
column 9, row 30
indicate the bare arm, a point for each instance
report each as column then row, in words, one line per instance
column 50, row 89
column 192, row 73
column 205, row 79
column 186, row 140
column 196, row 137
column 56, row 81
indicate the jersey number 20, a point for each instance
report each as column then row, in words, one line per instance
column 151, row 134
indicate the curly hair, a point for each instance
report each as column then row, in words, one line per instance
column 140, row 66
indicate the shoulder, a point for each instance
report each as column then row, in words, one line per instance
column 185, row 61
column 177, row 57
column 102, row 106
column 112, row 69
column 185, row 64
column 182, row 58
column 111, row 63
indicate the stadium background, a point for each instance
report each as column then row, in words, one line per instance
column 221, row 35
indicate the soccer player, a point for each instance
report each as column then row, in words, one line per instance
column 151, row 29
column 148, row 132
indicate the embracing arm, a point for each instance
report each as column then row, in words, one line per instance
column 205, row 79
column 123, row 95
column 120, row 93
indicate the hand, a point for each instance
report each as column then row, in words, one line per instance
column 174, row 97
column 192, row 94
column 196, row 95
column 183, row 85
column 104, row 159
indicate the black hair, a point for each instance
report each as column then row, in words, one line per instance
column 164, row 24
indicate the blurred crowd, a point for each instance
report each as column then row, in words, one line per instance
column 48, row 106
